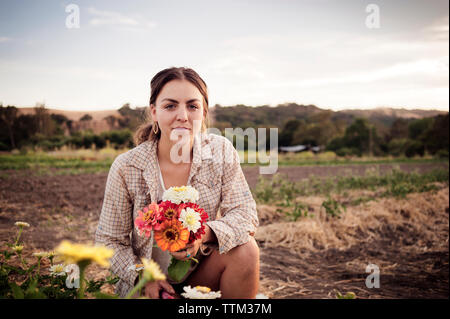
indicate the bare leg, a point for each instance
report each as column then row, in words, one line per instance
column 235, row 274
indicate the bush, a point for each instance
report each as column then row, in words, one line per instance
column 347, row 151
column 442, row 153
column 415, row 148
column 3, row 147
column 397, row 147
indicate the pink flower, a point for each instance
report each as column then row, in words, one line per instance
column 149, row 218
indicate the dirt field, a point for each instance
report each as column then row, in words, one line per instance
column 407, row 239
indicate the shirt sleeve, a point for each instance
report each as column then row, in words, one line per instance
column 239, row 217
column 116, row 223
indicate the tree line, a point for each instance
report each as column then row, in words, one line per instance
column 51, row 131
column 341, row 132
column 298, row 124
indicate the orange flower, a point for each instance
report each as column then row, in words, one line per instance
column 172, row 235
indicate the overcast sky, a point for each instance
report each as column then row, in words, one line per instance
column 249, row 52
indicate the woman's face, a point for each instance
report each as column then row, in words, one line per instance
column 178, row 111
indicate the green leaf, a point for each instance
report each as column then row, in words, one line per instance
column 16, row 290
column 101, row 295
column 178, row 269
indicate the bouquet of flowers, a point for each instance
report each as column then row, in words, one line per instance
column 176, row 222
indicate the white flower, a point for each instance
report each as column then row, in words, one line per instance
column 57, row 270
column 21, row 224
column 185, row 194
column 40, row 254
column 17, row 248
column 190, row 219
column 200, row 292
column 136, row 268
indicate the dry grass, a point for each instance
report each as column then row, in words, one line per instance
column 358, row 223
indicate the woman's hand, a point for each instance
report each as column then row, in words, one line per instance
column 193, row 248
column 152, row 289
column 190, row 250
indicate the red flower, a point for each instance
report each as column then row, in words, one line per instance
column 169, row 210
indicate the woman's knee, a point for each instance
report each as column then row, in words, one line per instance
column 247, row 254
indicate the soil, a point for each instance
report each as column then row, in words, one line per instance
column 68, row 207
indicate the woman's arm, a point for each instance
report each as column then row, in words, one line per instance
column 116, row 223
column 237, row 208
column 209, row 236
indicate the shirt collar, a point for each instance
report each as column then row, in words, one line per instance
column 144, row 158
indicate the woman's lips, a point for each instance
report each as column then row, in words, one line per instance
column 181, row 128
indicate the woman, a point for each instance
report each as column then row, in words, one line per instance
column 228, row 253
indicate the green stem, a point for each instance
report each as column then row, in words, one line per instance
column 22, row 261
column 82, row 266
column 139, row 285
column 18, row 236
column 140, row 278
column 38, row 267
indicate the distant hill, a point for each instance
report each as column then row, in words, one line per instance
column 244, row 116
column 265, row 116
column 74, row 115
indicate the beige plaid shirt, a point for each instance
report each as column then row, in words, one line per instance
column 133, row 182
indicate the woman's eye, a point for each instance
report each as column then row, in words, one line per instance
column 193, row 106
column 170, row 106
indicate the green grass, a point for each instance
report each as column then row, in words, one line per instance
column 283, row 193
column 397, row 183
column 45, row 164
column 352, row 161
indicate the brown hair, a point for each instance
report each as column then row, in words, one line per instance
column 145, row 131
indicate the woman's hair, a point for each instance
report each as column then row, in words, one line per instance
column 145, row 131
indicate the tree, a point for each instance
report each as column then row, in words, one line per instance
column 399, row 129
column 288, row 131
column 111, row 120
column 45, row 125
column 436, row 137
column 7, row 117
column 418, row 127
column 86, row 118
column 358, row 135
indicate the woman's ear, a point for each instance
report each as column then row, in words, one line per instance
column 153, row 112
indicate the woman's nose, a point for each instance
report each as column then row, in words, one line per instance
column 182, row 114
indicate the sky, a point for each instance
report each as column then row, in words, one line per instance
column 335, row 54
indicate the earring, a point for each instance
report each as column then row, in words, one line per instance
column 155, row 125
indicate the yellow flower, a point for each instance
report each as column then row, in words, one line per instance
column 203, row 289
column 51, row 254
column 17, row 248
column 75, row 253
column 21, row 224
column 152, row 271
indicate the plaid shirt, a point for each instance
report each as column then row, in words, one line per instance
column 133, row 182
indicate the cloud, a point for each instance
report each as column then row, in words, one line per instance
column 438, row 30
column 424, row 67
column 4, row 39
column 116, row 19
